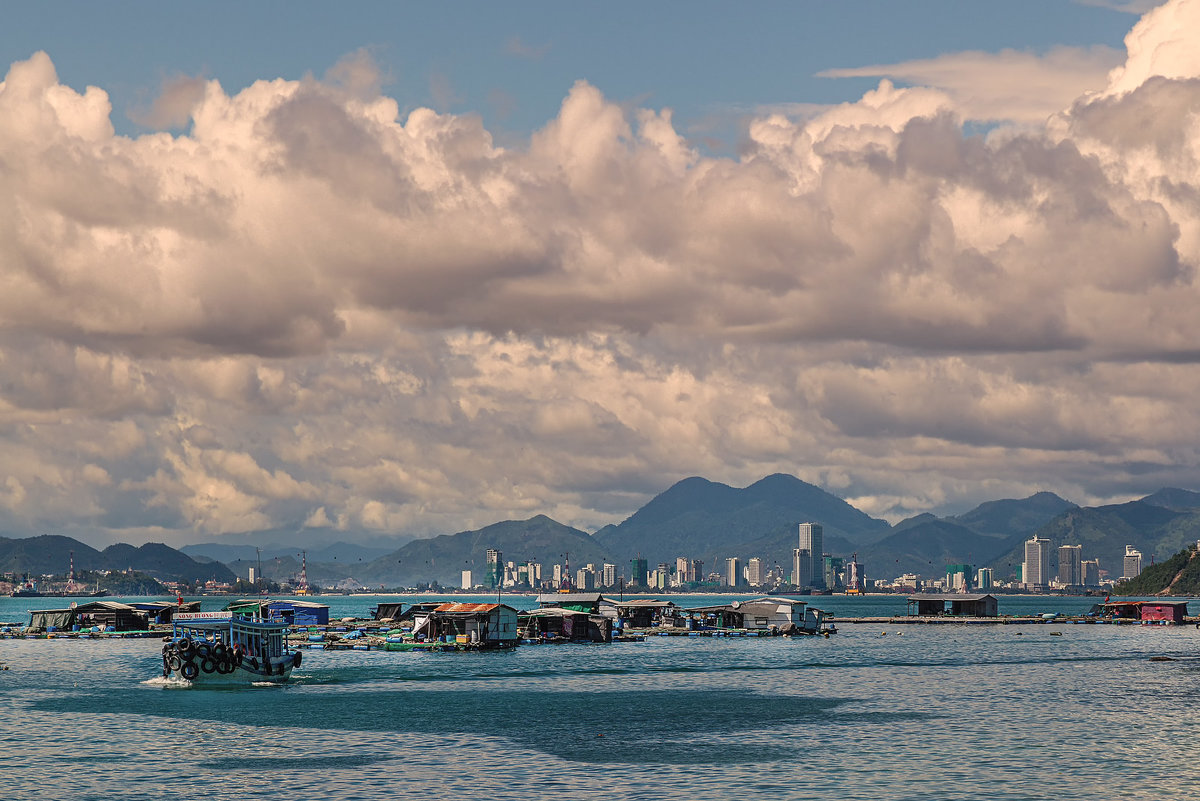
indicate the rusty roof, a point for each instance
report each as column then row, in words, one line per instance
column 466, row 607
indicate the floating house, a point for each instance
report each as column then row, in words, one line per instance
column 641, row 613
column 164, row 611
column 1164, row 611
column 106, row 615
column 493, row 625
column 954, row 603
column 294, row 613
column 1149, row 611
column 564, row 624
column 589, row 602
column 781, row 615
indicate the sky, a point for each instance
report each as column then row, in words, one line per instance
column 415, row 269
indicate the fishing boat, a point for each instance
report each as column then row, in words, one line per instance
column 234, row 646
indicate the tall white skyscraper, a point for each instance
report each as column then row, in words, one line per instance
column 1036, row 571
column 1070, row 565
column 733, row 571
column 1133, row 562
column 812, row 539
column 754, row 572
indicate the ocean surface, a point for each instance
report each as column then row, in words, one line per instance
column 884, row 711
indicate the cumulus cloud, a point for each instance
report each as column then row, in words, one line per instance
column 309, row 311
column 1011, row 85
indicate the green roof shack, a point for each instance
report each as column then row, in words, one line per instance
column 955, row 604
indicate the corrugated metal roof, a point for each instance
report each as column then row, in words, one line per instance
column 950, row 596
column 466, row 607
column 645, row 603
column 570, row 598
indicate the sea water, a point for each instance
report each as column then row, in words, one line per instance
column 880, row 710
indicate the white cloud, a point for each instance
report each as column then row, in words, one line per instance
column 309, row 311
column 1011, row 85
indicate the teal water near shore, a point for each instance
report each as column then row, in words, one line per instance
column 884, row 711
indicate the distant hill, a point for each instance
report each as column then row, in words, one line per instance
column 164, row 562
column 1014, row 517
column 443, row 558
column 925, row 545
column 336, row 552
column 51, row 554
column 701, row 519
column 1180, row 500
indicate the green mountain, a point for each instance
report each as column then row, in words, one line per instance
column 51, row 554
column 1014, row 517
column 164, row 562
column 701, row 519
column 1180, row 500
column 443, row 558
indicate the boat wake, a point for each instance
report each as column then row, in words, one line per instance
column 159, row 681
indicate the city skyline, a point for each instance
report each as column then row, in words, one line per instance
column 413, row 271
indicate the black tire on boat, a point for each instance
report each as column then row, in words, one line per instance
column 189, row 670
column 174, row 662
column 184, row 648
column 238, row 658
column 296, row 659
column 219, row 651
column 254, row 663
column 208, row 664
column 166, row 649
column 203, row 651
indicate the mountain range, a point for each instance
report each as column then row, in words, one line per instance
column 695, row 518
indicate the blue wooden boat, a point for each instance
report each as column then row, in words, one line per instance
column 228, row 647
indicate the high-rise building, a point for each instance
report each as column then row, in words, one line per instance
column 697, row 573
column 638, row 572
column 1070, row 565
column 1091, row 572
column 959, row 578
column 466, row 580
column 682, row 569
column 495, row 569
column 801, row 567
column 832, row 569
column 984, row 579
column 754, row 572
column 585, row 579
column 608, row 575
column 733, row 572
column 812, row 540
column 1133, row 562
column 1036, row 567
